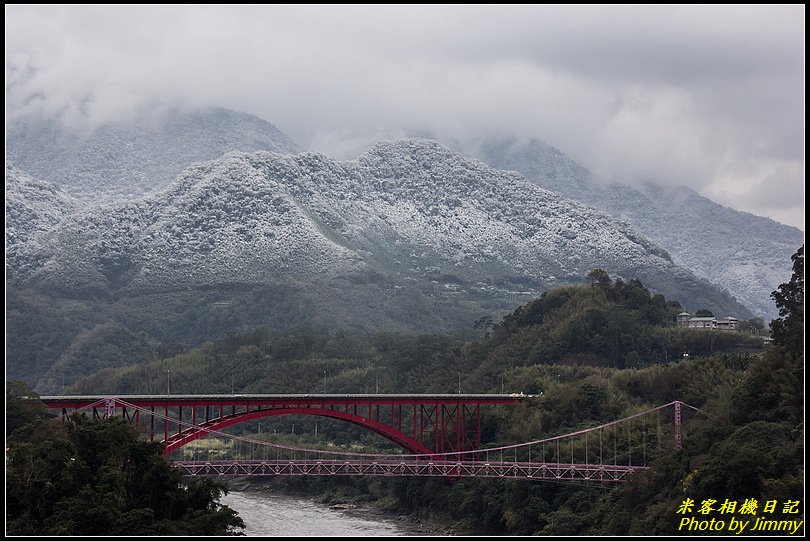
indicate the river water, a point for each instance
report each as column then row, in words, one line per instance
column 275, row 514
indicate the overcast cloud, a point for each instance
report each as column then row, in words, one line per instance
column 709, row 97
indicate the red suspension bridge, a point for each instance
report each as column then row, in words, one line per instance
column 441, row 435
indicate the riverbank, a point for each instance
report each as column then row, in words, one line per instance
column 412, row 523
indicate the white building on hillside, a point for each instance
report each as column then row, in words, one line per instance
column 729, row 323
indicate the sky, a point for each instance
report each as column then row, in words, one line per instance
column 707, row 97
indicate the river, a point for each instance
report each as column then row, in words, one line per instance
column 275, row 514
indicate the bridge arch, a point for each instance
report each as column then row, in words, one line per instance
column 176, row 441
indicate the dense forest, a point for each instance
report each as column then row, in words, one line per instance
column 605, row 324
column 596, row 353
column 98, row 477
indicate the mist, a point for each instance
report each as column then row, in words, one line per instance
column 708, row 97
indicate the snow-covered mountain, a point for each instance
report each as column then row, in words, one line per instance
column 33, row 207
column 127, row 158
column 117, row 241
column 409, row 236
column 405, row 210
column 747, row 255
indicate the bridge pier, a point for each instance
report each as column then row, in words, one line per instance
column 678, row 441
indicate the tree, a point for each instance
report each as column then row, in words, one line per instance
column 99, row 477
column 788, row 330
column 599, row 277
column 752, row 326
column 704, row 313
column 773, row 387
column 22, row 406
column 485, row 323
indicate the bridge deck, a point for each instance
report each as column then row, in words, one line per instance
column 327, row 396
column 409, row 468
column 271, row 399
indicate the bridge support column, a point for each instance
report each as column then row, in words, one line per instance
column 478, row 438
column 109, row 407
column 414, row 421
column 678, row 441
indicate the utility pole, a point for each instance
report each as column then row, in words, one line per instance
column 168, row 382
column 459, row 383
column 502, row 384
column 324, row 382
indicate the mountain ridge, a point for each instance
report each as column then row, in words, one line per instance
column 412, row 206
column 741, row 252
column 124, row 159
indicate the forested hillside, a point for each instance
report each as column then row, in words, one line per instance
column 747, row 443
column 604, row 324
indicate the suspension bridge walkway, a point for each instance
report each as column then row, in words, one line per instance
column 440, row 434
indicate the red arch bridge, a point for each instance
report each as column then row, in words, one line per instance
column 440, row 434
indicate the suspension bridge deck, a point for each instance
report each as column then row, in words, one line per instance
column 409, row 468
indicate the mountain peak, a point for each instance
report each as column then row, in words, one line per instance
column 127, row 158
column 412, row 151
